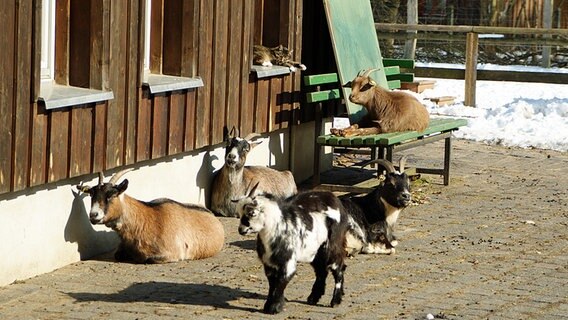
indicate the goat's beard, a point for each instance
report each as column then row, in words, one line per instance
column 230, row 163
column 235, row 165
column 403, row 203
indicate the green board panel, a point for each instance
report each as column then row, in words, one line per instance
column 320, row 79
column 355, row 45
column 324, row 95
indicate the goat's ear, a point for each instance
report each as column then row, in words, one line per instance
column 347, row 85
column 122, row 186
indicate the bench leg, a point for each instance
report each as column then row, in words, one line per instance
column 389, row 154
column 373, row 155
column 447, row 155
column 381, row 153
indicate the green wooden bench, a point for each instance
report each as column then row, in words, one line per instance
column 387, row 143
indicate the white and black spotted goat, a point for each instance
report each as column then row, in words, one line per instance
column 308, row 227
column 372, row 217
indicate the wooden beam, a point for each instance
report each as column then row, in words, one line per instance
column 495, row 75
column 466, row 29
column 458, row 37
column 470, row 68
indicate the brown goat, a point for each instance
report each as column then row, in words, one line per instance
column 158, row 231
column 387, row 111
column 232, row 180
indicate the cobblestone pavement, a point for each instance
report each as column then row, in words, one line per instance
column 493, row 245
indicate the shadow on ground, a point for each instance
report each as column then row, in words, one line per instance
column 173, row 293
column 245, row 244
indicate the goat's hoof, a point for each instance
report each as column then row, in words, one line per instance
column 335, row 131
column 273, row 308
column 335, row 301
column 313, row 300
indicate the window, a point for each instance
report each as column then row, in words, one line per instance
column 68, row 44
column 273, row 20
column 170, row 42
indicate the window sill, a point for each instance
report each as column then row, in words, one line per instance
column 59, row 96
column 265, row 72
column 158, row 83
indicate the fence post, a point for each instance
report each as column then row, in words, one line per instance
column 547, row 23
column 411, row 19
column 471, row 48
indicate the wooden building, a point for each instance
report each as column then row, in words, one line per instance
column 99, row 44
column 99, row 85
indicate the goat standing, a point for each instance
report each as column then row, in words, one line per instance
column 158, row 231
column 308, row 227
column 232, row 180
column 387, row 111
column 372, row 217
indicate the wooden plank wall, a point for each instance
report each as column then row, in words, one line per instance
column 39, row 146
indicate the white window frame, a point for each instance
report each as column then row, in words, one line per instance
column 147, row 26
column 47, row 61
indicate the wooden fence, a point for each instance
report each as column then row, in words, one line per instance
column 470, row 74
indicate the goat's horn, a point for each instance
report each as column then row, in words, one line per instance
column 251, row 136
column 368, row 72
column 385, row 163
column 118, row 175
column 253, row 190
column 402, row 163
column 101, row 178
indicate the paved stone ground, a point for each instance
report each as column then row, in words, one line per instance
column 493, row 245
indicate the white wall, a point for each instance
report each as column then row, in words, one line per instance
column 302, row 141
column 48, row 227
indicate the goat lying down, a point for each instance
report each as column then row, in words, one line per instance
column 158, row 231
column 387, row 111
column 372, row 217
column 232, row 180
column 308, row 227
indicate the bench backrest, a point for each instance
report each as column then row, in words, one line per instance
column 391, row 70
